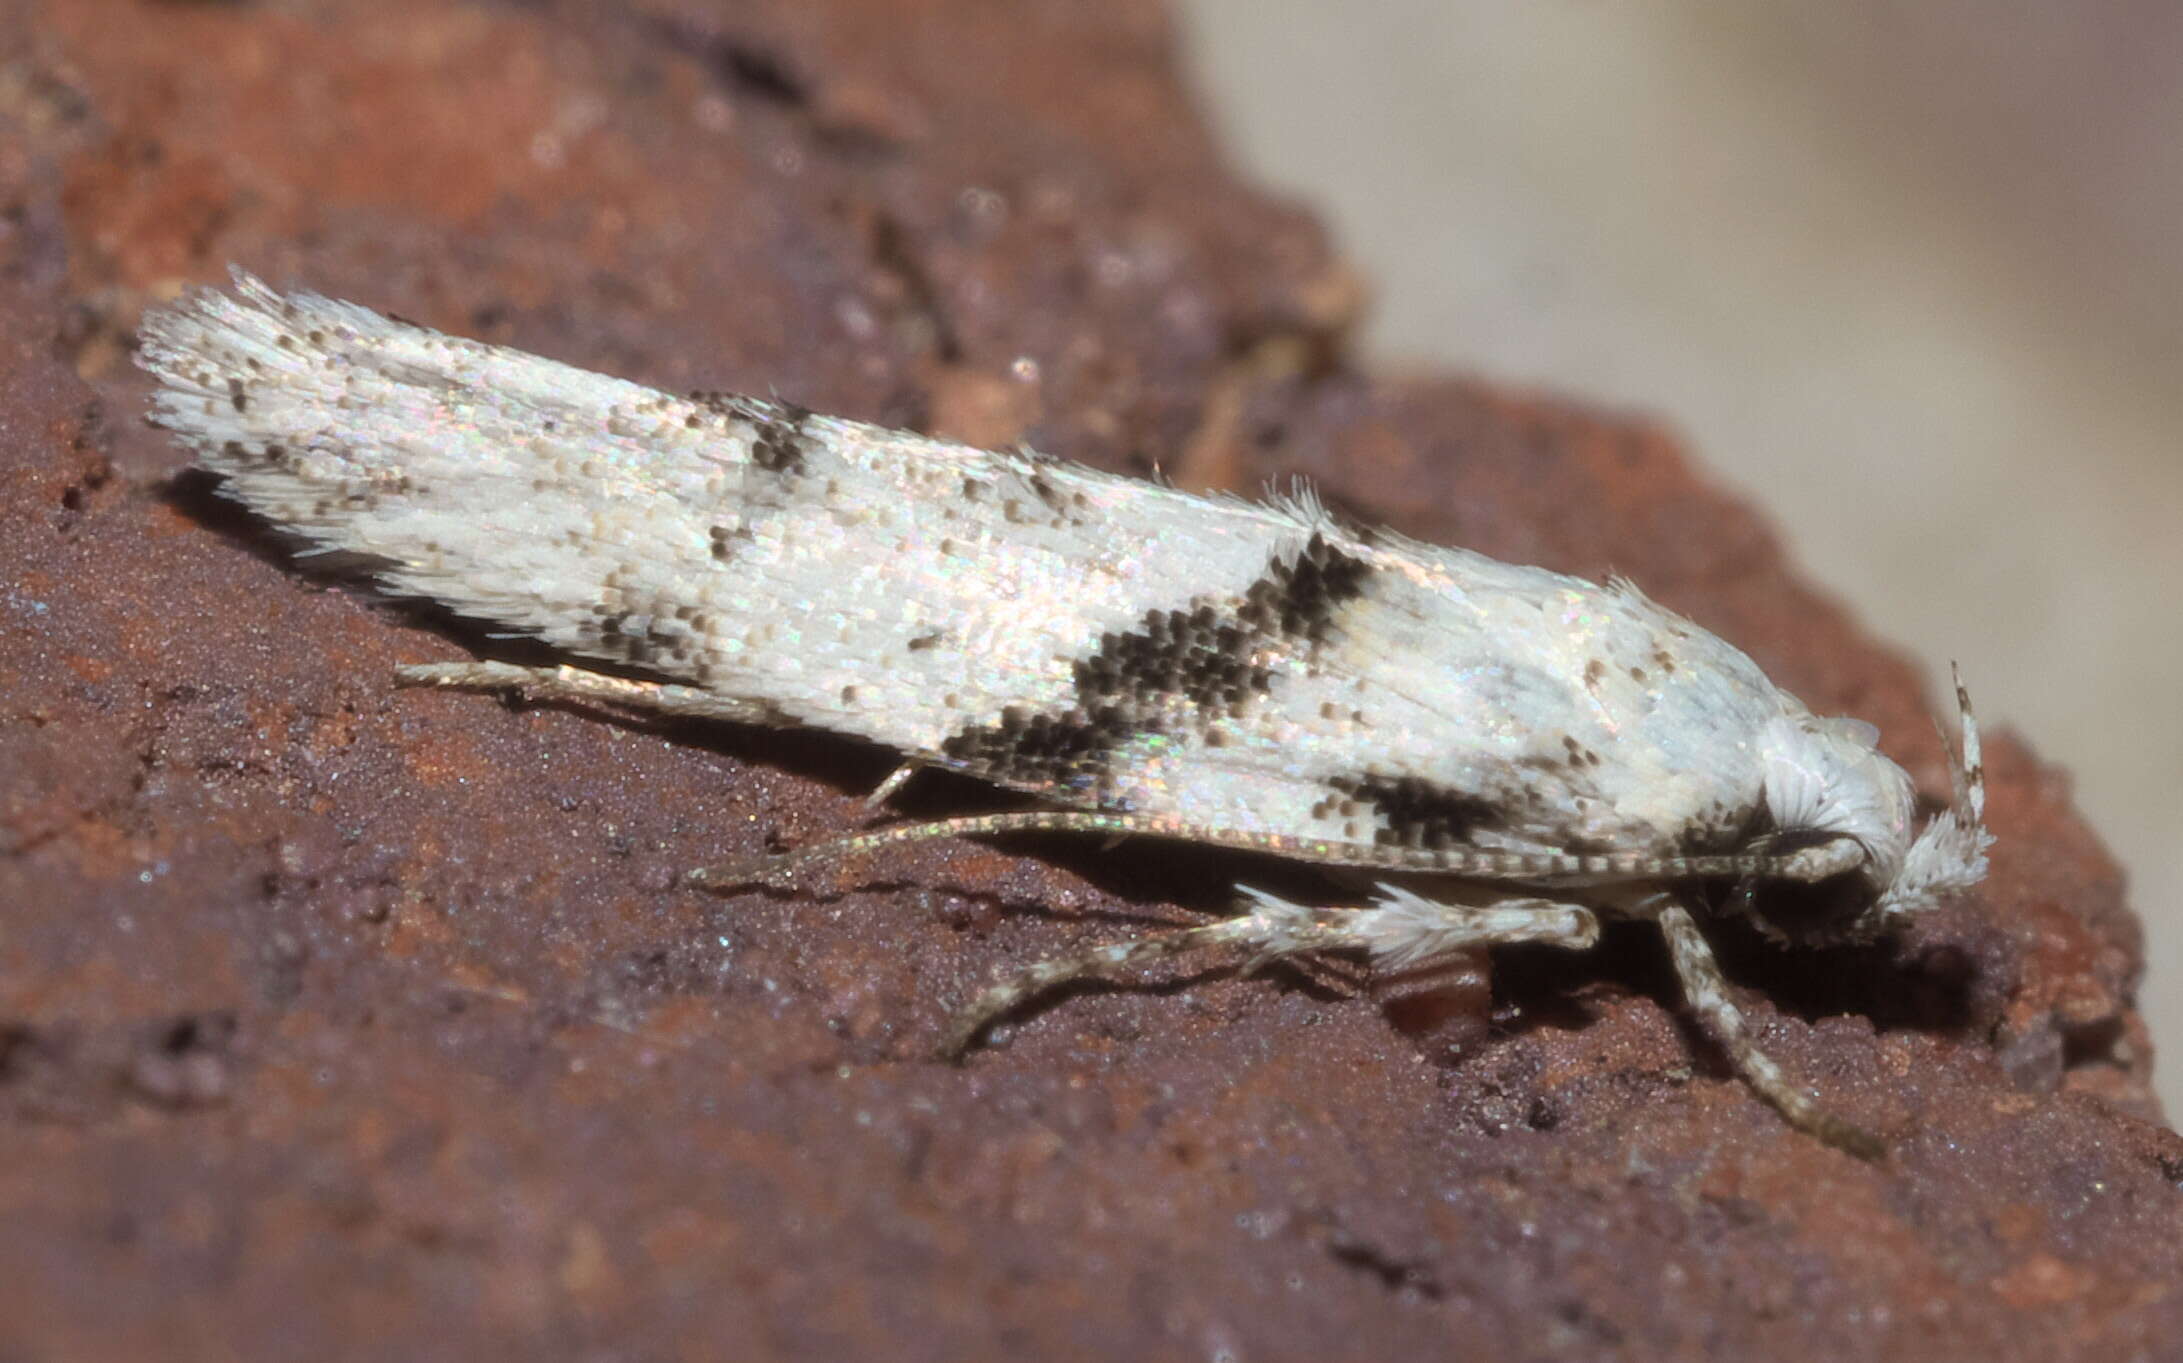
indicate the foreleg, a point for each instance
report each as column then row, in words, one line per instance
column 1705, row 992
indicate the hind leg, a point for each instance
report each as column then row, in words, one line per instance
column 1398, row 929
column 568, row 683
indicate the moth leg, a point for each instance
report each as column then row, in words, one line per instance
column 885, row 790
column 777, row 868
column 1398, row 930
column 1705, row 991
column 590, row 688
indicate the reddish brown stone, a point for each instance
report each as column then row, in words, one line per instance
column 340, row 1021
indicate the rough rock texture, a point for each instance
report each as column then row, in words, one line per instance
column 344, row 1022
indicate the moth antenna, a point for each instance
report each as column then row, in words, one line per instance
column 1807, row 864
column 1968, row 772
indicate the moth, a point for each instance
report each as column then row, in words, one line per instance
column 1506, row 754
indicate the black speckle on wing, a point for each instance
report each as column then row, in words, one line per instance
column 1300, row 599
column 1419, row 814
column 658, row 633
column 1201, row 656
column 1024, row 747
column 779, row 443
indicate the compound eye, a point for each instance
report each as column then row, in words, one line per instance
column 1820, row 913
column 1830, row 911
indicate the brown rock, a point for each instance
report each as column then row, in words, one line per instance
column 338, row 1021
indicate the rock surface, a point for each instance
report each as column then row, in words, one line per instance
column 340, row 1021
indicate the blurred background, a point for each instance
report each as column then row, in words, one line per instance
column 1908, row 274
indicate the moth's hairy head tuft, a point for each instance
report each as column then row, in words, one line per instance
column 1829, row 787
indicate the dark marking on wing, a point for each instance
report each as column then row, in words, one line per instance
column 1201, row 655
column 1418, row 813
column 1066, row 506
column 1299, row 599
column 1130, row 686
column 619, row 636
column 1026, row 748
column 778, row 442
column 1182, row 671
column 1721, row 827
column 657, row 633
column 1579, row 755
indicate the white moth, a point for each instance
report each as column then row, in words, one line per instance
column 1512, row 752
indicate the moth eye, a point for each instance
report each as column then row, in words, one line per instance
column 1830, row 912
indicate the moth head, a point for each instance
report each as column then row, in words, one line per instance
column 1844, row 860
